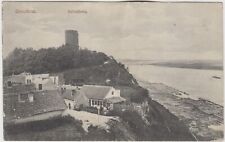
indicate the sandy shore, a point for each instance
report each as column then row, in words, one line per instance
column 204, row 118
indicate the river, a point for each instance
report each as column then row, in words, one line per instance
column 196, row 82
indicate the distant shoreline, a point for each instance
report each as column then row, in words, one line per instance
column 189, row 66
column 201, row 65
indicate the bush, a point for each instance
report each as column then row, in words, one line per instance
column 98, row 134
column 141, row 97
column 134, row 94
column 134, row 121
column 90, row 109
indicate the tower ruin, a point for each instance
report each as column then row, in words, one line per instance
column 71, row 39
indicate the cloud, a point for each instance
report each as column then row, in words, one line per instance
column 125, row 30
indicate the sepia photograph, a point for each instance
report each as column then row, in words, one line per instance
column 112, row 71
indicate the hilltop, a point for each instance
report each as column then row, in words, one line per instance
column 50, row 60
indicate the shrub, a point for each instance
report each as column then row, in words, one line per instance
column 90, row 109
column 134, row 121
column 141, row 96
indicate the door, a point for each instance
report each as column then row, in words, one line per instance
column 39, row 86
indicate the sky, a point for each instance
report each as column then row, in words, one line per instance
column 125, row 30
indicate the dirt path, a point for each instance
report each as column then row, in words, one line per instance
column 89, row 119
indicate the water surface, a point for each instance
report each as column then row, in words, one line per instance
column 196, row 82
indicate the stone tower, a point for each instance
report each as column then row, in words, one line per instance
column 71, row 39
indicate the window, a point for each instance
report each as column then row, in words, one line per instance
column 28, row 81
column 54, row 81
column 92, row 102
column 89, row 102
column 9, row 83
column 69, row 106
column 23, row 97
column 73, row 92
column 39, row 86
column 31, row 97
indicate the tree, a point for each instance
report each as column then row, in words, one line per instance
column 50, row 60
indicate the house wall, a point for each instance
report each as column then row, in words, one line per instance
column 55, row 79
column 93, row 104
column 47, row 84
column 38, row 117
column 72, row 103
column 37, row 81
column 28, row 77
column 108, row 106
column 40, row 75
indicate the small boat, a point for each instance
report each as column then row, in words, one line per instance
column 216, row 77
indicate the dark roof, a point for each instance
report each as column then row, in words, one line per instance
column 44, row 101
column 67, row 94
column 95, row 92
column 19, row 88
column 16, row 78
column 5, row 78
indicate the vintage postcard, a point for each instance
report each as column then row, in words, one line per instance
column 113, row 71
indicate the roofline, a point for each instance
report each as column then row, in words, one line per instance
column 17, row 93
column 9, row 120
column 32, row 91
column 68, row 99
column 48, row 111
column 99, row 86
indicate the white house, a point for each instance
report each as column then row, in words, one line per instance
column 41, row 81
column 92, row 96
column 45, row 82
column 101, row 96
